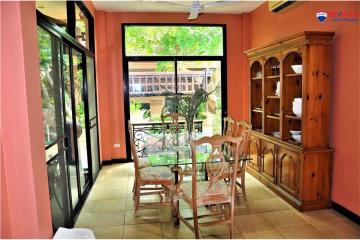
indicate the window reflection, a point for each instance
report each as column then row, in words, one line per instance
column 56, row 10
column 81, row 27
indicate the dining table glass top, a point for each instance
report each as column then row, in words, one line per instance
column 173, row 149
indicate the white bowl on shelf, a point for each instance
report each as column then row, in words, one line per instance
column 296, row 137
column 297, row 68
column 293, row 132
column 297, row 107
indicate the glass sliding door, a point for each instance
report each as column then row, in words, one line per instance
column 53, row 119
column 69, row 123
column 80, row 121
column 93, row 124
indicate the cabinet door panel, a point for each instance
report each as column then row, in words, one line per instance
column 288, row 177
column 255, row 154
column 268, row 160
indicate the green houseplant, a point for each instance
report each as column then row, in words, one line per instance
column 187, row 106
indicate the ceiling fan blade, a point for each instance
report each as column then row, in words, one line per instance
column 193, row 14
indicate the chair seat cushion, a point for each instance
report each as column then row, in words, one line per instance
column 144, row 162
column 220, row 193
column 154, row 174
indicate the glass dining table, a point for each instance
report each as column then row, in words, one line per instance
column 173, row 149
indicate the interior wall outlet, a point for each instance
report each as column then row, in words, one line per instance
column 116, row 145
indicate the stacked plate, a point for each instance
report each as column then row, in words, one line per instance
column 296, row 135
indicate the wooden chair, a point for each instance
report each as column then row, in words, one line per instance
column 214, row 192
column 174, row 125
column 148, row 179
column 242, row 130
column 228, row 126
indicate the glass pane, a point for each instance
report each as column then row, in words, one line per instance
column 205, row 75
column 148, row 84
column 94, row 151
column 70, row 154
column 50, row 81
column 58, row 191
column 173, row 41
column 81, row 27
column 92, row 115
column 56, row 10
column 91, row 87
column 80, row 118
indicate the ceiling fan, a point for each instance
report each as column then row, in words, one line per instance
column 196, row 8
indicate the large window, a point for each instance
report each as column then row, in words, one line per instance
column 162, row 61
column 173, row 41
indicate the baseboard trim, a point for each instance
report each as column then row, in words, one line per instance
column 346, row 212
column 114, row 161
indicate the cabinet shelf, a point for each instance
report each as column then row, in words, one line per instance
column 257, row 110
column 273, row 76
column 273, row 97
column 273, row 116
column 293, row 75
column 293, row 117
column 256, row 78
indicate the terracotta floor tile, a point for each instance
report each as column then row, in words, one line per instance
column 143, row 231
column 89, row 206
column 83, row 220
column 109, row 232
column 252, row 222
column 169, row 231
column 112, row 218
column 270, row 204
column 110, row 205
column 263, row 234
column 109, row 193
column 258, row 193
column 284, row 218
column 301, row 231
column 218, row 231
column 143, row 216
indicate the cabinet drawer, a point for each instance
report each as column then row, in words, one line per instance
column 268, row 160
column 288, row 170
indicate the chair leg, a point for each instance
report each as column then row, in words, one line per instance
column 244, row 193
column 232, row 222
column 196, row 223
column 137, row 197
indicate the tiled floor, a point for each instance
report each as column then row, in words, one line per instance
column 109, row 213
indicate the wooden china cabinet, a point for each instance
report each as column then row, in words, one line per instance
column 298, row 171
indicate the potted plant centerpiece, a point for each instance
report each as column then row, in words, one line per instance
column 187, row 106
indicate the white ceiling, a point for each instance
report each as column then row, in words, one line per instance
column 225, row 6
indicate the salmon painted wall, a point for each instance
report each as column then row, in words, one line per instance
column 25, row 200
column 345, row 119
column 110, row 75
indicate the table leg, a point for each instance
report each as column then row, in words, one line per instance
column 176, row 215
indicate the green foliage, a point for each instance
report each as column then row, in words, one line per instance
column 174, row 41
column 188, row 105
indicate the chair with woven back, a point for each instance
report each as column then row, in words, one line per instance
column 149, row 180
column 213, row 192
